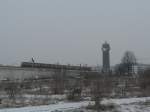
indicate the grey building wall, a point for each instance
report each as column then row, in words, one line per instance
column 23, row 73
column 13, row 73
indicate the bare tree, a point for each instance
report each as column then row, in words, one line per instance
column 12, row 89
column 127, row 63
column 74, row 94
column 59, row 81
column 144, row 81
column 102, row 87
column 75, row 90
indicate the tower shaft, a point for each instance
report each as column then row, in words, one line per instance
column 106, row 57
column 106, row 61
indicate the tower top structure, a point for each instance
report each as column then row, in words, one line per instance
column 105, row 47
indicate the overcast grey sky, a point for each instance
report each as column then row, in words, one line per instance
column 72, row 31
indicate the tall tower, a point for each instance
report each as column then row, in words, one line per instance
column 106, row 57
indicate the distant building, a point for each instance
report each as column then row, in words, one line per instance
column 54, row 66
column 142, row 67
column 106, row 57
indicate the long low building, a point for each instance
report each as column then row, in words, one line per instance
column 54, row 66
column 38, row 70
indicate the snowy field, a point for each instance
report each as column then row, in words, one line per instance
column 122, row 105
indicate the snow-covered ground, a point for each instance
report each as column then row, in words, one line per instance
column 131, row 104
column 48, row 108
column 122, row 105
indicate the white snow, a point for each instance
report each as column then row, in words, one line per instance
column 125, row 100
column 130, row 104
column 52, row 97
column 48, row 108
column 123, row 105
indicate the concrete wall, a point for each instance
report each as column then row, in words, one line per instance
column 25, row 73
